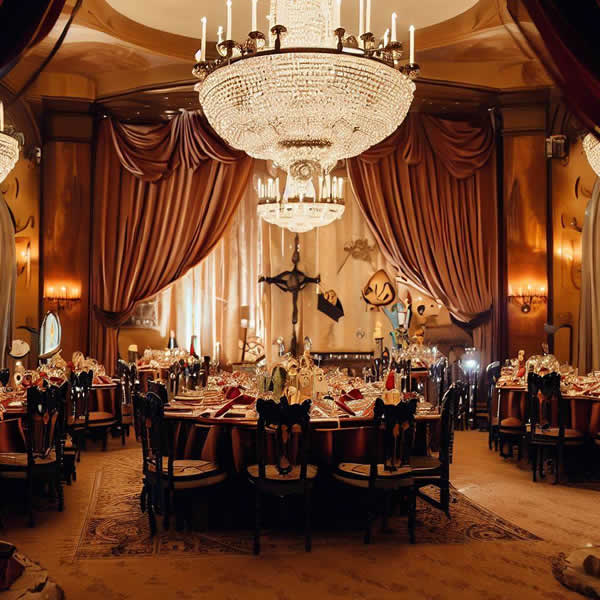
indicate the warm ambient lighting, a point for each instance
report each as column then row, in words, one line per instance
column 528, row 296
column 62, row 296
column 301, row 208
column 309, row 95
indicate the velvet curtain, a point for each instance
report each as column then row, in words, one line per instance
column 588, row 349
column 163, row 198
column 428, row 195
column 567, row 47
column 8, row 268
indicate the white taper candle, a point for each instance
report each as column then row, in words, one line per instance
column 338, row 14
column 368, row 16
column 1, row 116
column 220, row 34
column 254, row 15
column 394, row 32
column 203, row 43
column 229, row 34
column 361, row 28
column 412, row 44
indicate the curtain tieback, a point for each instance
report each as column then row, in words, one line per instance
column 110, row 319
column 480, row 319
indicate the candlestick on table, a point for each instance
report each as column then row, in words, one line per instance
column 394, row 30
column 411, row 29
column 229, row 20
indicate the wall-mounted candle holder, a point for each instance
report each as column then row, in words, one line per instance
column 62, row 297
column 528, row 297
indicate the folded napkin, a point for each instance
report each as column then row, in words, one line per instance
column 390, row 382
column 355, row 394
column 232, row 392
column 341, row 402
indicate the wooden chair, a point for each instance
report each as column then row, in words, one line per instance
column 431, row 470
column 394, row 474
column 160, row 389
column 165, row 476
column 439, row 378
column 284, row 478
column 42, row 458
column 512, row 423
column 492, row 374
column 59, row 396
column 548, row 428
column 127, row 374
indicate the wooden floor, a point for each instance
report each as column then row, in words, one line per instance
column 564, row 517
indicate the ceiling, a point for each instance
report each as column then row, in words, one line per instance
column 136, row 56
column 182, row 17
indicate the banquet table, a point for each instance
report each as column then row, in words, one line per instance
column 334, row 432
column 510, row 401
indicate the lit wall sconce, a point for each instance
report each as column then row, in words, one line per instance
column 528, row 298
column 62, row 297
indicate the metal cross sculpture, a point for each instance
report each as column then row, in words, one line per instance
column 294, row 282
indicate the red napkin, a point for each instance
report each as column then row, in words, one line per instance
column 355, row 394
column 232, row 392
column 390, row 382
column 521, row 372
column 342, row 404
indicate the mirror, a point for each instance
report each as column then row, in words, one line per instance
column 50, row 335
column 19, row 349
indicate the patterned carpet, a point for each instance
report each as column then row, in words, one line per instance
column 115, row 526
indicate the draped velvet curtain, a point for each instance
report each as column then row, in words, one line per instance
column 588, row 355
column 567, row 46
column 8, row 268
column 163, row 198
column 428, row 195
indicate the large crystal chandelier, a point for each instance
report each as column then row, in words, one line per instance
column 9, row 149
column 301, row 208
column 307, row 94
column 591, row 145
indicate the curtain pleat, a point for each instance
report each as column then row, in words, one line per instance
column 163, row 198
column 8, row 267
column 428, row 195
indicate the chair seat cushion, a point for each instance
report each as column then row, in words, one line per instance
column 18, row 462
column 572, row 436
column 511, row 423
column 192, row 473
column 357, row 475
column 96, row 419
column 273, row 474
column 425, row 465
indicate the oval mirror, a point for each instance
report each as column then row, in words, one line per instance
column 19, row 349
column 50, row 335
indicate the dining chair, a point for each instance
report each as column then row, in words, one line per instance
column 41, row 459
column 439, row 377
column 60, row 397
column 166, row 477
column 160, row 389
column 492, row 374
column 127, row 374
column 548, row 428
column 435, row 471
column 393, row 475
column 512, row 417
column 286, row 476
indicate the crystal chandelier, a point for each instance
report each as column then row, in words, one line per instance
column 306, row 95
column 300, row 208
column 591, row 145
column 9, row 149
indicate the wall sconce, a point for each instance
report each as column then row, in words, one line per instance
column 62, row 297
column 23, row 252
column 528, row 298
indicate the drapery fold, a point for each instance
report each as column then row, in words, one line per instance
column 428, row 195
column 163, row 198
column 563, row 36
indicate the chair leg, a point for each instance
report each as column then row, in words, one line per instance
column 541, row 461
column 445, row 498
column 59, row 491
column 560, row 456
column 496, row 434
column 151, row 517
column 167, row 509
column 307, row 529
column 534, row 459
column 257, row 523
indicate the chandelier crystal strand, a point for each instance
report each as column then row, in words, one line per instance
column 306, row 95
column 591, row 146
column 9, row 149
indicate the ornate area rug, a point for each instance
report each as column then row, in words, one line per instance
column 116, row 527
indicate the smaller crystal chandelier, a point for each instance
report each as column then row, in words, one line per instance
column 9, row 149
column 300, row 208
column 591, row 145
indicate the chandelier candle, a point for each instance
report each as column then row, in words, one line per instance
column 254, row 15
column 394, row 29
column 338, row 14
column 229, row 34
column 412, row 44
column 220, row 34
column 368, row 16
column 203, row 43
column 361, row 28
